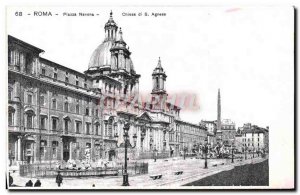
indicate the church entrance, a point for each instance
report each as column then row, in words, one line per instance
column 66, row 155
column 28, row 159
column 66, row 147
column 111, row 155
column 171, row 153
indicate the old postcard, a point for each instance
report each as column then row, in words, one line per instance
column 146, row 98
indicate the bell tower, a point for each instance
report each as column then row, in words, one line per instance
column 158, row 79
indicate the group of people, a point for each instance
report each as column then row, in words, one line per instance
column 36, row 184
column 29, row 183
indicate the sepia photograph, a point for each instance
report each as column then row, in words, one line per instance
column 141, row 98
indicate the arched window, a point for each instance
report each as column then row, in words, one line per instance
column 110, row 122
column 43, row 119
column 29, row 98
column 9, row 56
column 77, row 127
column 66, row 124
column 28, row 64
column 87, row 111
column 43, row 145
column 54, row 149
column 11, row 113
column 66, row 106
column 97, row 129
column 87, row 128
column 77, row 109
column 157, row 83
column 10, row 93
column 125, row 89
column 29, row 119
column 116, row 62
column 42, row 100
column 54, row 104
column 105, row 128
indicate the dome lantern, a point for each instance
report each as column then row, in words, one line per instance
column 110, row 28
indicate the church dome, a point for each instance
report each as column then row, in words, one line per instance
column 113, row 52
column 101, row 56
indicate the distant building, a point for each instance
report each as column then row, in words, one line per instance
column 238, row 144
column 228, row 132
column 210, row 125
column 190, row 135
column 211, row 131
column 219, row 124
column 219, row 136
column 255, row 138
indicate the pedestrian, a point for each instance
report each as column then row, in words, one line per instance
column 59, row 179
column 11, row 180
column 29, row 184
column 37, row 183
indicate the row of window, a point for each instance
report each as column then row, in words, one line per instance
column 258, row 134
column 244, row 139
column 43, row 72
column 228, row 127
column 29, row 99
column 77, row 108
column 66, row 105
column 192, row 130
column 29, row 120
column 67, row 124
column 251, row 144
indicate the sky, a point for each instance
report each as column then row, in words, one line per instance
column 246, row 52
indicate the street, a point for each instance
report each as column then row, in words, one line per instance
column 193, row 170
column 245, row 175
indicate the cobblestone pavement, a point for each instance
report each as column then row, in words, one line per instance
column 193, row 169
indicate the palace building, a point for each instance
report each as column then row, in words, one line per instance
column 56, row 113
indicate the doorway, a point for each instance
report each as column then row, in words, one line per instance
column 171, row 153
column 111, row 155
column 66, row 155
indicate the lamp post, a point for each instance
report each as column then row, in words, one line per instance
column 184, row 151
column 155, row 153
column 126, row 141
column 11, row 157
column 232, row 148
column 205, row 153
column 125, row 175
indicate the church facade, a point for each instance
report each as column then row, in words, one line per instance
column 56, row 113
